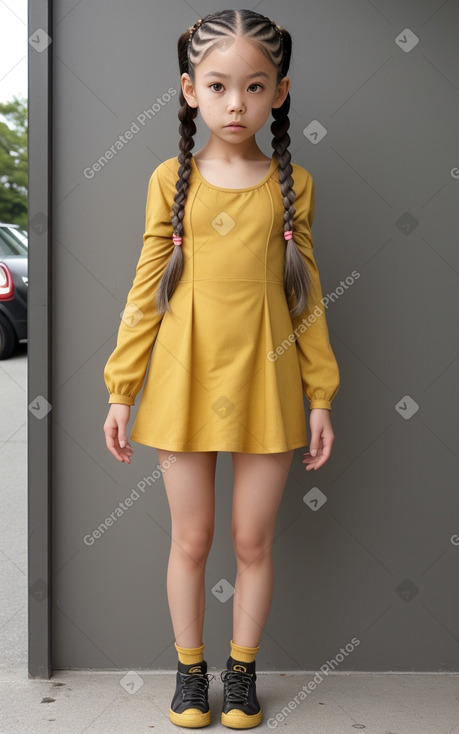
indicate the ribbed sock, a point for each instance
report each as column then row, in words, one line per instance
column 190, row 655
column 243, row 654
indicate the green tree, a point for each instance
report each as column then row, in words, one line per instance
column 13, row 162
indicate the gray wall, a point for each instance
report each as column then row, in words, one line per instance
column 378, row 560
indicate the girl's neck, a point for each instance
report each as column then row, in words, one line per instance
column 216, row 150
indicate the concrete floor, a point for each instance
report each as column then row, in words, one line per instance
column 77, row 702
column 92, row 702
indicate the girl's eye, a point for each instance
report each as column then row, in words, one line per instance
column 219, row 84
column 255, row 84
column 216, row 84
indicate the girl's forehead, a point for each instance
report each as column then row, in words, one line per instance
column 235, row 56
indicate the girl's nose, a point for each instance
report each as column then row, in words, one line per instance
column 236, row 104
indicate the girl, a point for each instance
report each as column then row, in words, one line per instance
column 227, row 289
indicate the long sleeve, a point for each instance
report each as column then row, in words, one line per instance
column 126, row 367
column 318, row 365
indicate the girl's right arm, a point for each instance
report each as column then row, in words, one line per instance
column 125, row 370
column 126, row 367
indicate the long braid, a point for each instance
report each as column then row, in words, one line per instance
column 297, row 278
column 174, row 268
column 187, row 130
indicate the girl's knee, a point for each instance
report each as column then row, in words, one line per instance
column 250, row 545
column 193, row 544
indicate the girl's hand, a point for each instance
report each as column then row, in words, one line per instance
column 322, row 438
column 115, row 432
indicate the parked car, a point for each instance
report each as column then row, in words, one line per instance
column 13, row 288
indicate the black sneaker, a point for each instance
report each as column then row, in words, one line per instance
column 190, row 704
column 241, row 709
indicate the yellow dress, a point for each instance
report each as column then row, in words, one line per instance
column 229, row 365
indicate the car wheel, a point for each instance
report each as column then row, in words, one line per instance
column 7, row 339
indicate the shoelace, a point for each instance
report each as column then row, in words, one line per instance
column 195, row 687
column 236, row 686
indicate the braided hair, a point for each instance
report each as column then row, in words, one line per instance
column 193, row 46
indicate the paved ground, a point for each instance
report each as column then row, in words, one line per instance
column 92, row 702
column 95, row 703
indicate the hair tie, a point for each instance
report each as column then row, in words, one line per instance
column 278, row 30
column 194, row 28
column 288, row 235
column 177, row 239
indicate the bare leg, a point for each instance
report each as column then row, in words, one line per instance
column 190, row 488
column 259, row 482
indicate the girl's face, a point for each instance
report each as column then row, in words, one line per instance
column 235, row 83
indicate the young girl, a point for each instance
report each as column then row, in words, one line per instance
column 228, row 292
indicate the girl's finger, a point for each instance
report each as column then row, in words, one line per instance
column 323, row 454
column 113, row 445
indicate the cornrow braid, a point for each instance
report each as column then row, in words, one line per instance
column 193, row 46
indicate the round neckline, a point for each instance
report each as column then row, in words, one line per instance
column 272, row 167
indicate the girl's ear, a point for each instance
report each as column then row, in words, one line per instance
column 188, row 90
column 282, row 91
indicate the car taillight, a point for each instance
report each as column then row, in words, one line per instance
column 6, row 283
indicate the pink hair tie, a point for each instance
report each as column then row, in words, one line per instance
column 288, row 235
column 177, row 239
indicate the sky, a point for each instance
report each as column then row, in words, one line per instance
column 13, row 49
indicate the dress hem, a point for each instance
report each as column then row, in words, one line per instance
column 189, row 447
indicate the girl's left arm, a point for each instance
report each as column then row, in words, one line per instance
column 319, row 368
column 318, row 365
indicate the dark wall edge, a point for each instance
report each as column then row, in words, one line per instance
column 39, row 377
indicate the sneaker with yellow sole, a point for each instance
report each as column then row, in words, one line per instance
column 241, row 709
column 190, row 703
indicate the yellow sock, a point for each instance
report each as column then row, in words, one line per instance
column 243, row 654
column 190, row 655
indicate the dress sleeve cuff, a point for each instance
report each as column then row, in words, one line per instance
column 320, row 404
column 123, row 399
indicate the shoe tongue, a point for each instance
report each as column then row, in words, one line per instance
column 241, row 667
column 197, row 668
